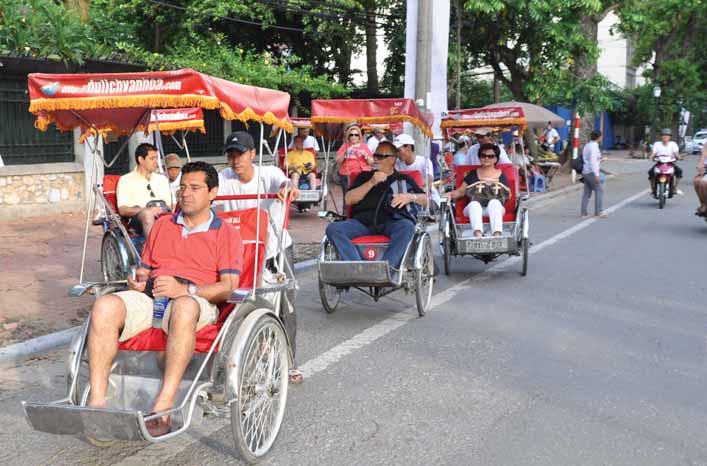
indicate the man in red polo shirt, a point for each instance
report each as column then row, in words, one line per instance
column 191, row 257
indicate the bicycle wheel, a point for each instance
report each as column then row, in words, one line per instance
column 256, row 415
column 424, row 278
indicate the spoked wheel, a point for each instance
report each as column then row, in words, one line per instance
column 112, row 261
column 424, row 278
column 256, row 415
column 524, row 244
column 660, row 191
column 329, row 295
column 447, row 254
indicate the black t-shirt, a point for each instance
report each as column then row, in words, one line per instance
column 473, row 177
column 365, row 209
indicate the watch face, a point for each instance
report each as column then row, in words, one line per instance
column 191, row 289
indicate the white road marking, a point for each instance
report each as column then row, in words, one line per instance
column 161, row 452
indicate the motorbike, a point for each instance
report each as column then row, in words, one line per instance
column 664, row 173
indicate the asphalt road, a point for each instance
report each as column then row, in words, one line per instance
column 597, row 357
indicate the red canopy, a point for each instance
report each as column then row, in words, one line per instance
column 479, row 117
column 369, row 111
column 174, row 119
column 122, row 102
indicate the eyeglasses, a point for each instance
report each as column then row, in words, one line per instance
column 382, row 156
column 149, row 188
column 194, row 188
column 488, row 155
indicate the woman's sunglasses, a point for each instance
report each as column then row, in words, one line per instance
column 354, row 135
column 490, row 155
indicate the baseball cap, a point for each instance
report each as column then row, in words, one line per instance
column 403, row 139
column 239, row 141
column 483, row 132
column 666, row 132
column 173, row 161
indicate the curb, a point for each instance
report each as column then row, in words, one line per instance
column 18, row 351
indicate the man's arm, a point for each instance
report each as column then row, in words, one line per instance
column 356, row 194
column 701, row 162
column 126, row 211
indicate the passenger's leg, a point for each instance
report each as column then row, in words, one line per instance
column 184, row 315
column 295, row 179
column 678, row 177
column 312, row 178
column 587, row 194
column 701, row 190
column 496, row 211
column 474, row 212
column 107, row 320
column 147, row 217
column 400, row 232
column 341, row 234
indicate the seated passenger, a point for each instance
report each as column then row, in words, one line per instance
column 141, row 186
column 173, row 163
column 301, row 162
column 484, row 199
column 196, row 263
column 243, row 177
column 310, row 142
column 383, row 202
column 408, row 161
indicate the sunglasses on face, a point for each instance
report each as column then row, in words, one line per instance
column 354, row 135
column 489, row 155
column 382, row 156
column 149, row 188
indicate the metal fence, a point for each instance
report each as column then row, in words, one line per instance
column 20, row 141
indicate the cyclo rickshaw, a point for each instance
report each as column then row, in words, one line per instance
column 120, row 247
column 454, row 226
column 372, row 276
column 308, row 195
column 241, row 363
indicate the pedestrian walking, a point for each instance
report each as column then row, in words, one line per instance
column 591, row 176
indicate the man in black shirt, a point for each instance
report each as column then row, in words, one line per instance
column 383, row 202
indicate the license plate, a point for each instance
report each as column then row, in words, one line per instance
column 308, row 196
column 486, row 245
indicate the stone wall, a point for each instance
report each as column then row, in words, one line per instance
column 45, row 189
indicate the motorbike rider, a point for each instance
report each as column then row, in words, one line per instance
column 665, row 147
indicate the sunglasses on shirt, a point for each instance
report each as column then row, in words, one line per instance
column 149, row 188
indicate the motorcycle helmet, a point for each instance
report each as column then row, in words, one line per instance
column 666, row 132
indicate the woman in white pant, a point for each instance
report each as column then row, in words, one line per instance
column 481, row 205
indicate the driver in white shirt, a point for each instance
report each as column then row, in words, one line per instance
column 483, row 136
column 665, row 147
column 408, row 161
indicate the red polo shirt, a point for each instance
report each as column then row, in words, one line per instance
column 200, row 257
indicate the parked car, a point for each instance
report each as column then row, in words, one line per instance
column 691, row 147
column 700, row 138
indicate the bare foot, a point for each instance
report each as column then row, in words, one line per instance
column 498, row 233
column 478, row 234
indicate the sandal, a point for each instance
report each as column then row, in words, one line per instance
column 295, row 376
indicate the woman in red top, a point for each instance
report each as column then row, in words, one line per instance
column 353, row 157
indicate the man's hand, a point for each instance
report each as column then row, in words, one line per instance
column 141, row 277
column 156, row 211
column 701, row 170
column 378, row 177
column 290, row 191
column 169, row 287
column 401, row 200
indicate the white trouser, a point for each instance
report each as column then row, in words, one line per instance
column 494, row 210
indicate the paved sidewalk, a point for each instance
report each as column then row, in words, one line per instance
column 40, row 259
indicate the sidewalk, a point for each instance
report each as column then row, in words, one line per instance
column 40, row 259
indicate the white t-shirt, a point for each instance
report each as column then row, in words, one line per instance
column 373, row 143
column 271, row 178
column 174, row 186
column 424, row 168
column 550, row 135
column 310, row 142
column 472, row 155
column 669, row 149
column 132, row 189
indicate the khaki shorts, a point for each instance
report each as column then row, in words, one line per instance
column 139, row 313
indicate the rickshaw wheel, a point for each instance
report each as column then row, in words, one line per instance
column 524, row 247
column 424, row 278
column 328, row 295
column 112, row 264
column 256, row 415
column 447, row 254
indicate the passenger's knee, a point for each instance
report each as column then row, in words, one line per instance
column 184, row 311
column 108, row 310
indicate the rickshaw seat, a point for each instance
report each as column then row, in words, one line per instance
column 153, row 339
column 371, row 239
column 110, row 190
column 509, row 170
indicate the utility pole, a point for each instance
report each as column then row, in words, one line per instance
column 458, row 4
column 423, row 71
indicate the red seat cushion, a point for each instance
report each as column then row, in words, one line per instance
column 509, row 170
column 153, row 339
column 110, row 190
column 371, row 239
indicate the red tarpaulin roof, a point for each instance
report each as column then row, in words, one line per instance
column 119, row 102
column 368, row 111
column 479, row 117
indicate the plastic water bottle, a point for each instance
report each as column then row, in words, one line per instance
column 159, row 306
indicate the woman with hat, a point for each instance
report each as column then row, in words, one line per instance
column 353, row 157
column 487, row 189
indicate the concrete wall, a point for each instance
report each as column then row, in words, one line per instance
column 42, row 189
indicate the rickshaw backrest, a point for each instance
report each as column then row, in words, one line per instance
column 508, row 169
column 110, row 190
column 414, row 174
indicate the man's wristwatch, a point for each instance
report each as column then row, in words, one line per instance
column 192, row 289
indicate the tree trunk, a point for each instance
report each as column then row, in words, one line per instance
column 371, row 46
column 82, row 7
column 458, row 92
